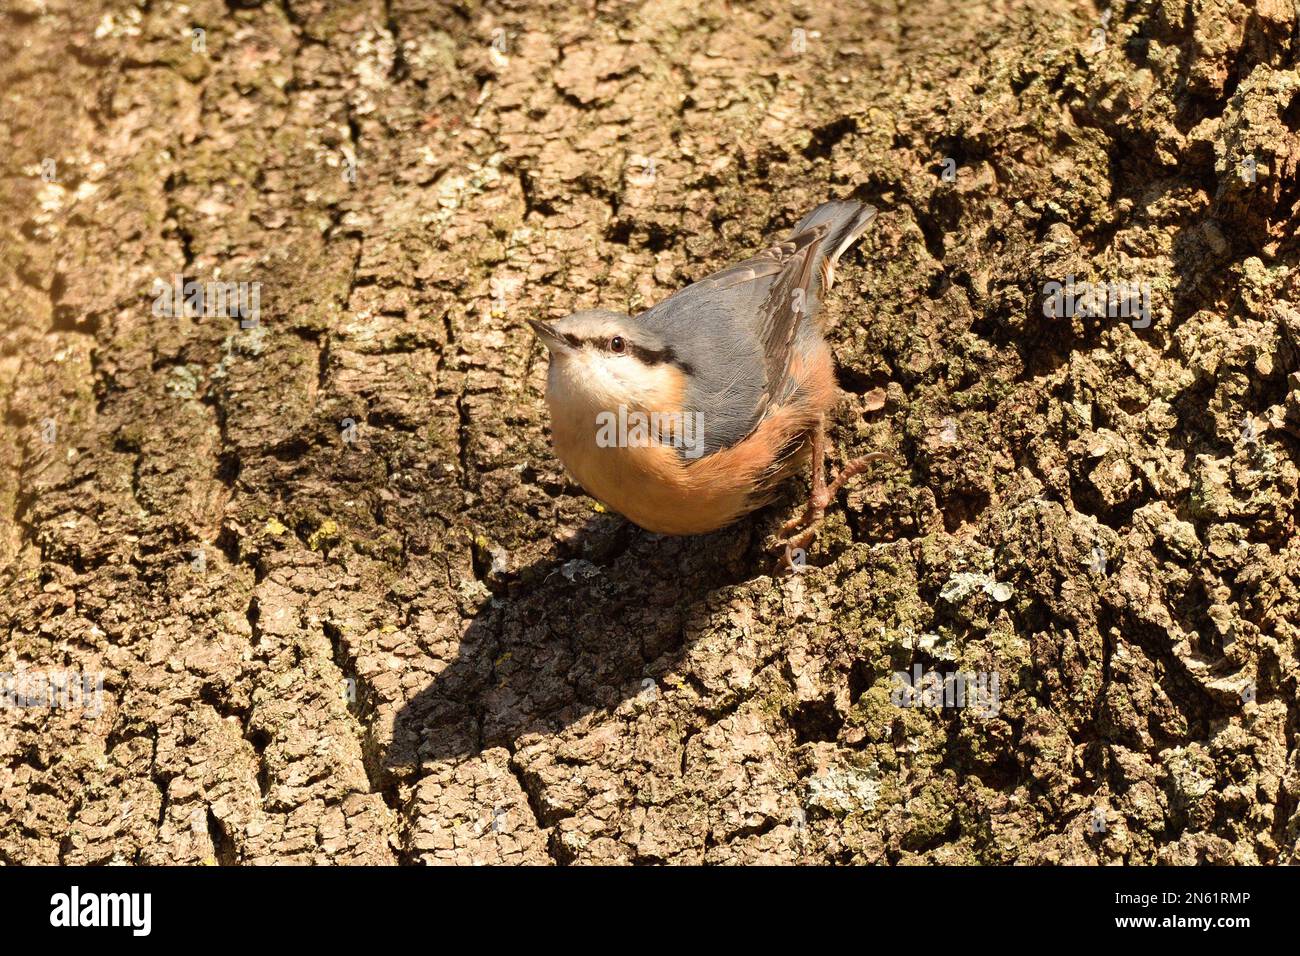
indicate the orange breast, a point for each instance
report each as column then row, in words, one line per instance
column 659, row 490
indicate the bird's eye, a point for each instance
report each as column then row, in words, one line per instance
column 617, row 345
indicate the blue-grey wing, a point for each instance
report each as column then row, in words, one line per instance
column 735, row 329
column 713, row 327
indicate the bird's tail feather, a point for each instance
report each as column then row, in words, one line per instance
column 845, row 220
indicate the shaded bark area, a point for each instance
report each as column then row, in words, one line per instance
column 346, row 604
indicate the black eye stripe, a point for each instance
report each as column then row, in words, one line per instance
column 650, row 356
column 663, row 357
column 647, row 355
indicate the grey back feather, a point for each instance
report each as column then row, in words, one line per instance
column 736, row 329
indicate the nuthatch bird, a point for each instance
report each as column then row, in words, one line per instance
column 687, row 416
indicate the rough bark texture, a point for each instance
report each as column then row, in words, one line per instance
column 1103, row 517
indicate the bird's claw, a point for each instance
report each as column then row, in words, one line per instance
column 794, row 544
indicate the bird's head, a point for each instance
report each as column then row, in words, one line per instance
column 601, row 360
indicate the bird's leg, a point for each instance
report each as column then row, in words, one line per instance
column 854, row 468
column 818, row 498
column 821, row 494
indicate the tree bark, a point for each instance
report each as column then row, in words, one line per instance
column 347, row 607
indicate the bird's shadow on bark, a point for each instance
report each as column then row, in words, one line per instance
column 567, row 639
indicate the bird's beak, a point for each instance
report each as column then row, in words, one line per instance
column 550, row 338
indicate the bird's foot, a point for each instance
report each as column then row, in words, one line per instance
column 794, row 545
